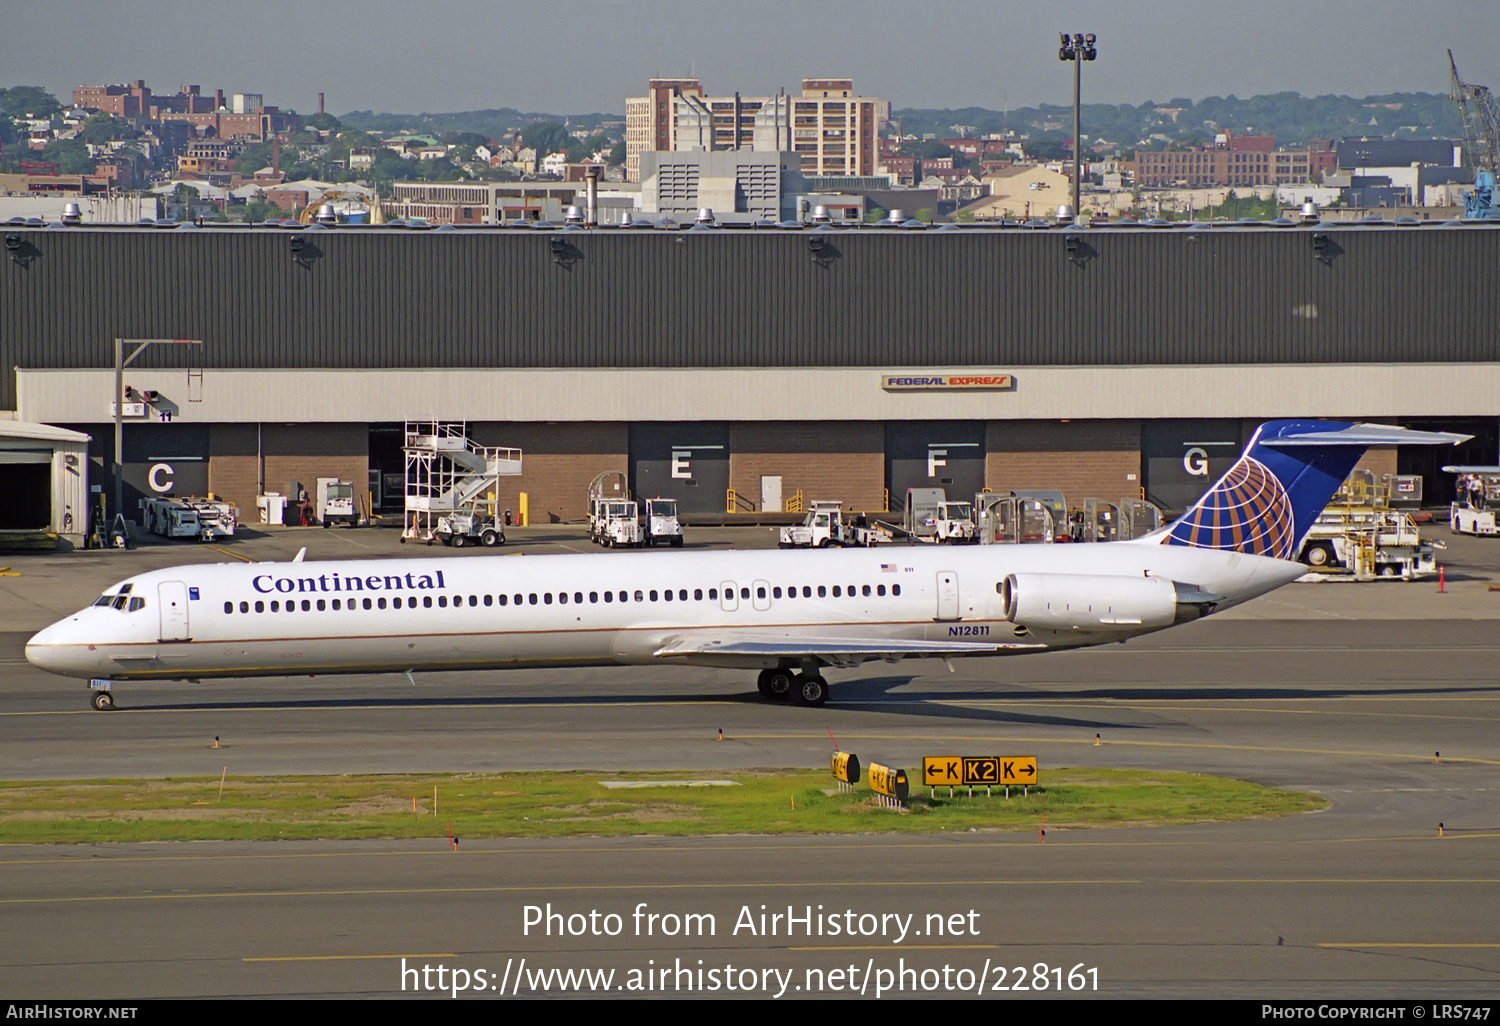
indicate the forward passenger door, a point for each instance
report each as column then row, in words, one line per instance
column 173, row 597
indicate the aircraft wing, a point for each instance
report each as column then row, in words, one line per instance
column 838, row 651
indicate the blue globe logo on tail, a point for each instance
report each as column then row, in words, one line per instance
column 1290, row 469
column 1247, row 511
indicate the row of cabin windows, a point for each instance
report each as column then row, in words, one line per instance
column 563, row 598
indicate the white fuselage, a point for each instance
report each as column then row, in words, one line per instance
column 265, row 619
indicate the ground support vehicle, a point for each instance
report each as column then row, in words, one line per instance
column 618, row 524
column 1366, row 542
column 1011, row 520
column 469, row 526
column 336, row 503
column 1473, row 511
column 662, row 526
column 1138, row 518
column 447, row 473
column 827, row 525
column 217, row 518
column 1098, row 521
column 610, row 486
column 1463, row 519
column 203, row 519
column 931, row 517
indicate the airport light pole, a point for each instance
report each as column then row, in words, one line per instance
column 1077, row 48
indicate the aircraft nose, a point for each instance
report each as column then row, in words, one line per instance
column 48, row 650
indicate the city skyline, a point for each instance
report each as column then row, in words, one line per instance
column 379, row 60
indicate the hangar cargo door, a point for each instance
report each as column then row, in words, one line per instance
column 1183, row 458
column 26, row 485
column 934, row 454
column 165, row 459
column 687, row 461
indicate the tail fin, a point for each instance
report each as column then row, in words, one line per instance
column 1267, row 501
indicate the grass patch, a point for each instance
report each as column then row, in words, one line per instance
column 576, row 805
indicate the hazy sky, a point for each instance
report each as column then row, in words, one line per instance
column 577, row 56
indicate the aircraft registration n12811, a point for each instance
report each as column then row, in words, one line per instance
column 787, row 614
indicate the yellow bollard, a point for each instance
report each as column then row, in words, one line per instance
column 523, row 510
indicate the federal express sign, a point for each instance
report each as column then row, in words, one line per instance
column 916, row 381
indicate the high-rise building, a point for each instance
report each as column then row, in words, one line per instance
column 831, row 129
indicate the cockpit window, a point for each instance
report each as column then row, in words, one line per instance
column 104, row 600
column 125, row 589
column 120, row 600
column 137, row 603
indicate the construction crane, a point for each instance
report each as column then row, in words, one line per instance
column 1481, row 117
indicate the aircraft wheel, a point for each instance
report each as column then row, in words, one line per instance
column 488, row 538
column 103, row 701
column 775, row 685
column 810, row 689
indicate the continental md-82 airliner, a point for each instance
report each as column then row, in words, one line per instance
column 788, row 614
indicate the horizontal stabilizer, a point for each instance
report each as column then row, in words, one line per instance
column 1365, row 435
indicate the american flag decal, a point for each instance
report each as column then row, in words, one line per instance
column 887, row 568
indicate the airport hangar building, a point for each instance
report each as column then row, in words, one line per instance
column 841, row 364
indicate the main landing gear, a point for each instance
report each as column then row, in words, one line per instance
column 781, row 684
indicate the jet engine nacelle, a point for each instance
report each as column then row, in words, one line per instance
column 1098, row 602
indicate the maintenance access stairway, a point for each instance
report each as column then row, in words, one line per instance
column 447, row 473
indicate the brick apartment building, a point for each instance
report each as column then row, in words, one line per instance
column 1234, row 160
column 830, row 127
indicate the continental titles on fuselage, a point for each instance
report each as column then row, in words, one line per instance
column 268, row 583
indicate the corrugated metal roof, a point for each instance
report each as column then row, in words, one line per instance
column 373, row 297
